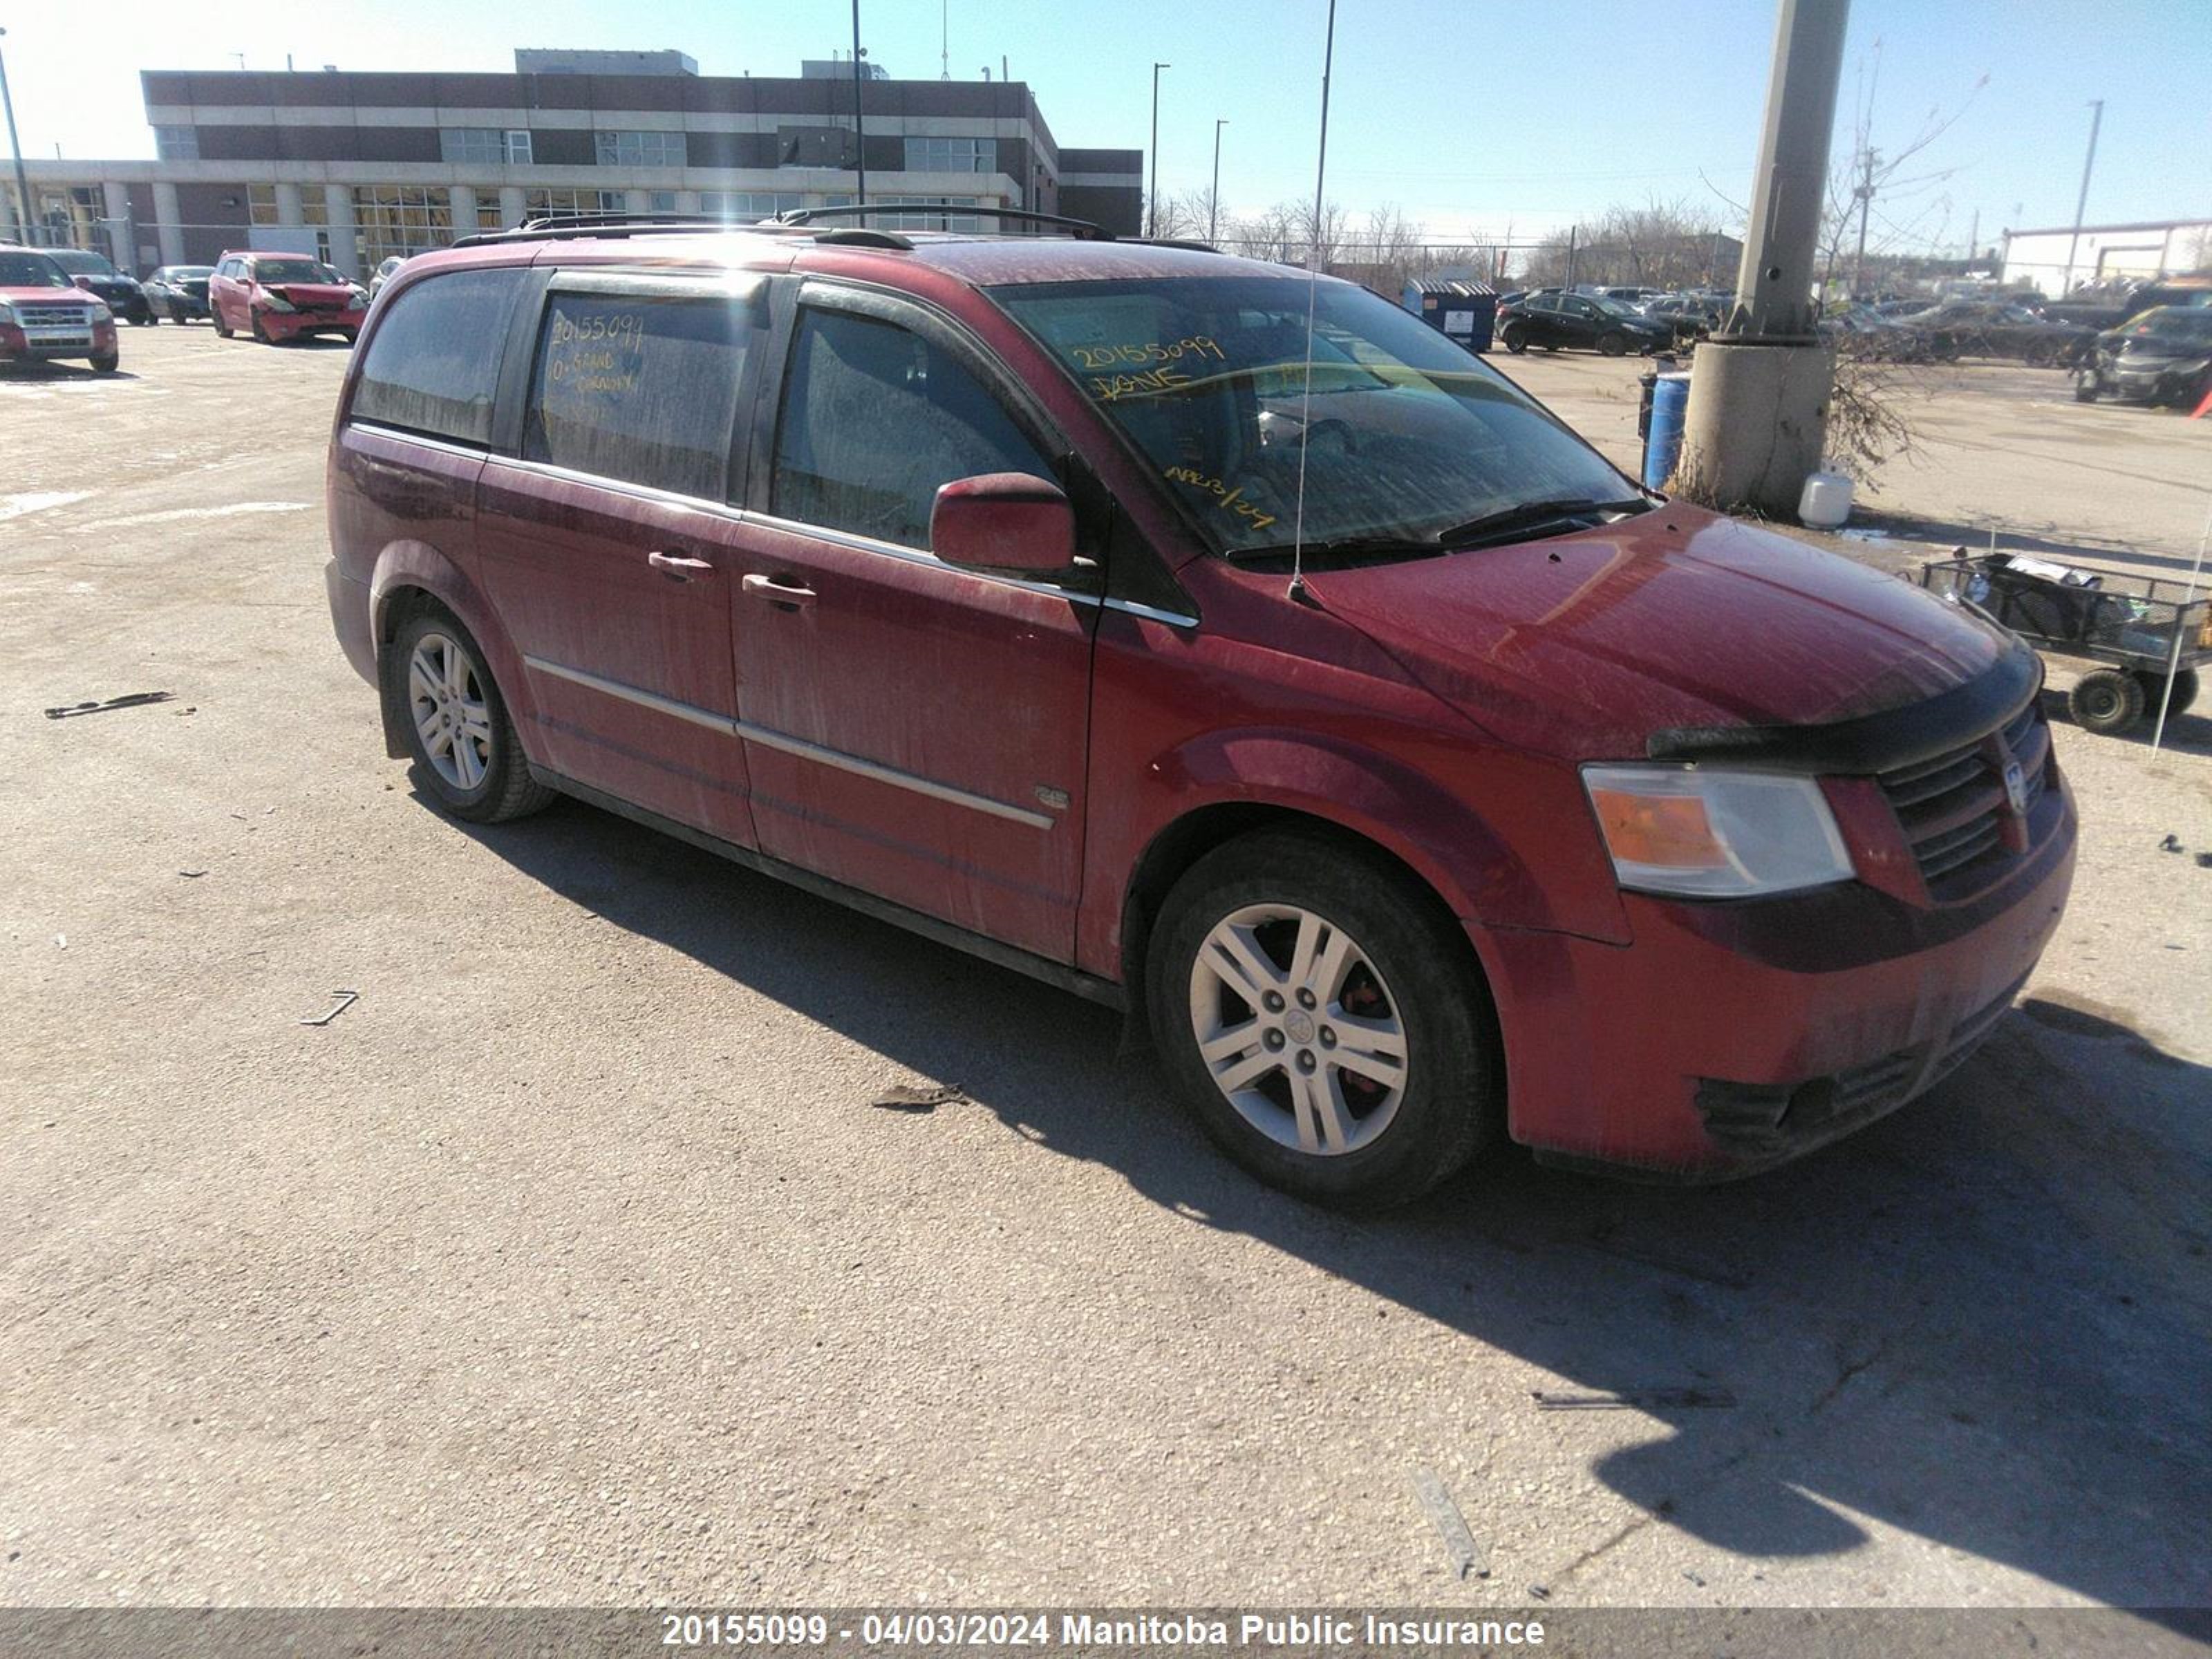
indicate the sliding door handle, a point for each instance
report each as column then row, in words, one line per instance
column 678, row 568
column 783, row 592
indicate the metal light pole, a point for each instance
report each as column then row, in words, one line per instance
column 1152, row 222
column 1214, row 198
column 15, row 149
column 860, row 120
column 2081, row 202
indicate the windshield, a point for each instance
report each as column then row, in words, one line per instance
column 1206, row 377
column 31, row 270
column 87, row 264
column 1613, row 307
column 294, row 271
column 2194, row 324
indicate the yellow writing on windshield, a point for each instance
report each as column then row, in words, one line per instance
column 1154, row 351
column 1230, row 501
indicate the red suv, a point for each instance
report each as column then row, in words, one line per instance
column 283, row 296
column 44, row 315
column 1410, row 773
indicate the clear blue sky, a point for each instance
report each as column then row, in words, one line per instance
column 1466, row 115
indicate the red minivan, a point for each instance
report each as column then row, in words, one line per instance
column 1232, row 649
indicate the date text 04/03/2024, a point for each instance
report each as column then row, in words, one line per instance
column 934, row 1629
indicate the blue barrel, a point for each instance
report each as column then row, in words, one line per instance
column 1663, row 445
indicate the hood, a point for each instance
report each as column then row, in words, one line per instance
column 48, row 296
column 105, row 285
column 1582, row 646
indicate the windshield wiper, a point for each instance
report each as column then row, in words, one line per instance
column 1341, row 547
column 1527, row 515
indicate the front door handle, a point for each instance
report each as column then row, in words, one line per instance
column 783, row 594
column 678, row 568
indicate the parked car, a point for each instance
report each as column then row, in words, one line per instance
column 95, row 275
column 1419, row 786
column 382, row 274
column 1987, row 328
column 1634, row 298
column 178, row 292
column 44, row 316
column 283, row 296
column 1553, row 321
column 1692, row 316
column 2163, row 356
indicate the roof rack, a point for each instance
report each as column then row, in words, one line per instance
column 1083, row 230
column 1188, row 244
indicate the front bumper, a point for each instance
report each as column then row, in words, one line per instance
column 54, row 345
column 298, row 324
column 1730, row 1037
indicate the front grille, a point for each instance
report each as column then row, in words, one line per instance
column 1953, row 808
column 71, row 317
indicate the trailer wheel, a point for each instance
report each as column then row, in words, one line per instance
column 2154, row 691
column 2106, row 701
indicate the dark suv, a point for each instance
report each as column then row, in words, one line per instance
column 1409, row 774
column 96, row 275
column 1584, row 320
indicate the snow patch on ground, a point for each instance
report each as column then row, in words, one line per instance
column 39, row 500
column 175, row 513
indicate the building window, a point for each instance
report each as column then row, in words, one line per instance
column 660, row 201
column 537, row 203
column 938, row 221
column 488, row 217
column 261, row 205
column 177, row 143
column 402, row 219
column 476, row 147
column 951, row 155
column 640, row 149
column 517, row 140
column 751, row 204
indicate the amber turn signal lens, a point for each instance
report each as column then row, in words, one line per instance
column 1670, row 831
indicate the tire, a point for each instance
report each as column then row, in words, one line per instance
column 142, row 319
column 2106, row 701
column 108, row 364
column 481, row 775
column 214, row 315
column 1611, row 344
column 2085, row 391
column 1515, row 338
column 2154, row 691
column 1404, row 970
column 260, row 333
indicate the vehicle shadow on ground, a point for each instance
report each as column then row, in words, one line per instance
column 1980, row 1321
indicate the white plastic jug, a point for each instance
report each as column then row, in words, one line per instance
column 1825, row 503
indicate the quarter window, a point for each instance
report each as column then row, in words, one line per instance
column 432, row 361
column 875, row 418
column 640, row 388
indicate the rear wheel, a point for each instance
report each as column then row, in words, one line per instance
column 1320, row 1016
column 458, row 729
column 1612, row 344
column 2106, row 700
column 1516, row 338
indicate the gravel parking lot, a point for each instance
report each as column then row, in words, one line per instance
column 571, row 1264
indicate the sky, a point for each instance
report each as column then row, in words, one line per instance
column 1471, row 117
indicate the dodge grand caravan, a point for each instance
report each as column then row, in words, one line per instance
column 1411, row 775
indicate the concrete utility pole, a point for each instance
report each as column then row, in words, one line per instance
column 2081, row 202
column 1759, row 388
column 24, row 223
column 1152, row 222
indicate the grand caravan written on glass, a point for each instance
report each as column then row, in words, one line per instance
column 640, row 388
column 1406, row 434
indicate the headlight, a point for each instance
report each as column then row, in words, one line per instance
column 7, row 313
column 356, row 298
column 276, row 301
column 100, row 313
column 1701, row 833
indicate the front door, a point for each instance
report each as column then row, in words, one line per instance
column 608, row 544
column 911, row 729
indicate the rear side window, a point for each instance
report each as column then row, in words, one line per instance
column 433, row 362
column 640, row 388
column 875, row 418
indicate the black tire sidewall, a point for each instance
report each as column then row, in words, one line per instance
column 480, row 804
column 1452, row 1103
column 1516, row 340
column 2105, row 701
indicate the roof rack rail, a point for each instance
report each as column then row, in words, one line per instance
column 1083, row 230
column 565, row 226
column 1188, row 244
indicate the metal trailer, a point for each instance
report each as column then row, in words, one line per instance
column 2140, row 628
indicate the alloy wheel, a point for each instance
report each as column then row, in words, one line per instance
column 1298, row 1029
column 453, row 719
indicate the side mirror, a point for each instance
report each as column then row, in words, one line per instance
column 1006, row 522
column 84, row 282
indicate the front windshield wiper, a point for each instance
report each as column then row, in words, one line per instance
column 1341, row 547
column 1527, row 515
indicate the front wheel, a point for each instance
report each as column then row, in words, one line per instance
column 215, row 316
column 1322, row 1018
column 260, row 332
column 108, row 364
column 2106, row 701
column 1612, row 345
column 458, row 728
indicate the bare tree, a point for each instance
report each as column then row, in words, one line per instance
column 1856, row 234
